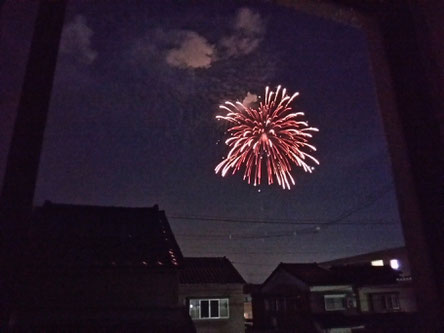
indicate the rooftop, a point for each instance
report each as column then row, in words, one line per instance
column 311, row 274
column 367, row 257
column 79, row 235
column 366, row 274
column 209, row 270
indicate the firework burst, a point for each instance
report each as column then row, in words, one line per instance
column 270, row 136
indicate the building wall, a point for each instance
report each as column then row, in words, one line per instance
column 317, row 298
column 384, row 255
column 282, row 297
column 91, row 294
column 234, row 292
column 407, row 298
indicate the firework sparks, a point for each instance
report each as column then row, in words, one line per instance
column 271, row 135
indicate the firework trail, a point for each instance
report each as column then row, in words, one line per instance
column 270, row 136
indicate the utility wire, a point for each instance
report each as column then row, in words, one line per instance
column 369, row 200
column 278, row 221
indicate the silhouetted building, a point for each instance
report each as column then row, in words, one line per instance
column 386, row 295
column 249, row 290
column 309, row 298
column 212, row 290
column 304, row 298
column 396, row 258
column 101, row 268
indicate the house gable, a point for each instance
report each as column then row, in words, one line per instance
column 282, row 282
column 212, row 290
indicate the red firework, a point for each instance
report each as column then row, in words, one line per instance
column 270, row 135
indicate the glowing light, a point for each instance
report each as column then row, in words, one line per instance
column 271, row 135
column 394, row 263
column 378, row 262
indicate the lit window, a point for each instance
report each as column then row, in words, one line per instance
column 209, row 308
column 378, row 262
column 394, row 263
column 335, row 302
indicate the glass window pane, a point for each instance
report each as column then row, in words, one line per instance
column 214, row 309
column 204, row 309
column 395, row 301
column 223, row 305
column 194, row 308
column 335, row 302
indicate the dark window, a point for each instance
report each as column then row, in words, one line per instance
column 204, row 309
column 385, row 302
column 214, row 306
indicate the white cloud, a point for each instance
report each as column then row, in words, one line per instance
column 189, row 49
column 194, row 51
column 248, row 21
column 247, row 34
column 250, row 98
column 237, row 45
column 177, row 48
column 76, row 40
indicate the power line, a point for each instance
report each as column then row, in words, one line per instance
column 276, row 253
column 339, row 221
column 259, row 234
column 278, row 221
column 370, row 200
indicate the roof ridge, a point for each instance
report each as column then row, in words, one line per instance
column 49, row 203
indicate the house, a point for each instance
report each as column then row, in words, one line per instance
column 212, row 290
column 346, row 298
column 395, row 296
column 249, row 290
column 396, row 258
column 386, row 302
column 101, row 268
column 305, row 298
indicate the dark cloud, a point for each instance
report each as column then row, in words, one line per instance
column 247, row 34
column 76, row 40
column 189, row 49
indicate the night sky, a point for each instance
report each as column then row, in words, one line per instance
column 132, row 123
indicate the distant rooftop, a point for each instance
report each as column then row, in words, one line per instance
column 209, row 270
column 396, row 251
column 80, row 235
column 366, row 274
column 311, row 274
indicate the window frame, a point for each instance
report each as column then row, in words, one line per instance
column 219, row 301
column 390, row 301
column 335, row 296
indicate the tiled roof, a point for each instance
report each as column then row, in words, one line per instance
column 367, row 257
column 76, row 235
column 366, row 274
column 311, row 274
column 209, row 270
